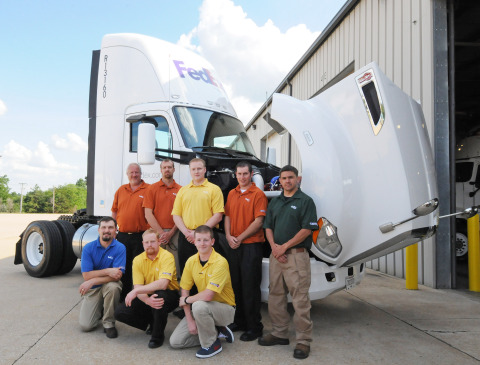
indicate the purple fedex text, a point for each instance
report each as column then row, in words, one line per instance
column 202, row 74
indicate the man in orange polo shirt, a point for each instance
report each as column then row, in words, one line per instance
column 244, row 214
column 158, row 204
column 127, row 209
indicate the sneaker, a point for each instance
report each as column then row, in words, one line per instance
column 271, row 340
column 203, row 353
column 226, row 333
column 111, row 332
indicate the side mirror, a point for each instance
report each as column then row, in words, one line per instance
column 146, row 144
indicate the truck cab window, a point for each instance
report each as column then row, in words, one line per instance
column 163, row 137
column 201, row 127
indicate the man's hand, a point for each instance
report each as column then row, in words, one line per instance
column 190, row 236
column 233, row 242
column 278, row 251
column 130, row 297
column 165, row 237
column 115, row 273
column 154, row 302
column 85, row 286
column 192, row 326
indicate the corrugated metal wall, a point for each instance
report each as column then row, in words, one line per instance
column 398, row 35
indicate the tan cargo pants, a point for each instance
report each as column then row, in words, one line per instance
column 292, row 277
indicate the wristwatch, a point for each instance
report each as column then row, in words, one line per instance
column 185, row 300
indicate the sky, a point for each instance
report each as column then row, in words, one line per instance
column 46, row 49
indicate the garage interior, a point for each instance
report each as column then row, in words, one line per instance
column 464, row 29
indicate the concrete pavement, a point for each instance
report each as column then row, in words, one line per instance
column 377, row 322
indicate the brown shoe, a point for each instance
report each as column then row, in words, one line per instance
column 270, row 340
column 301, row 351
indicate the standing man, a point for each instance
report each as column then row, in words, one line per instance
column 244, row 214
column 158, row 204
column 128, row 211
column 155, row 292
column 291, row 217
column 198, row 203
column 103, row 263
column 213, row 307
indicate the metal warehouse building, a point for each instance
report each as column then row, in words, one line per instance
column 430, row 49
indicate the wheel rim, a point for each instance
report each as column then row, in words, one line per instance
column 34, row 248
column 461, row 244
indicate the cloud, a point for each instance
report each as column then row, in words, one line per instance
column 251, row 59
column 3, row 107
column 22, row 164
column 73, row 143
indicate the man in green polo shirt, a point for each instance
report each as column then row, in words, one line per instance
column 290, row 219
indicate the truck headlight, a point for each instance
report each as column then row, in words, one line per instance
column 326, row 239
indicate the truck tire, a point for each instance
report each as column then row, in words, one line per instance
column 42, row 249
column 67, row 230
column 461, row 239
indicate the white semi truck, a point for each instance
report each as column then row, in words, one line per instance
column 366, row 157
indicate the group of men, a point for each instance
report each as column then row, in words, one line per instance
column 167, row 232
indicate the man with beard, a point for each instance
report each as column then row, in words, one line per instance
column 127, row 209
column 103, row 264
column 158, row 204
column 155, row 292
column 291, row 218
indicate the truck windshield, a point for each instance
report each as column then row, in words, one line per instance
column 463, row 171
column 200, row 127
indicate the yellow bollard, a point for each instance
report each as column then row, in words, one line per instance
column 473, row 254
column 411, row 265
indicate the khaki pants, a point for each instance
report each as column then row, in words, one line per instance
column 105, row 297
column 207, row 315
column 172, row 247
column 291, row 277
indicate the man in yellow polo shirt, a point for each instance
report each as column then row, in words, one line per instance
column 155, row 292
column 213, row 307
column 198, row 203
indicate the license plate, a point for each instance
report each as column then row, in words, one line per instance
column 349, row 282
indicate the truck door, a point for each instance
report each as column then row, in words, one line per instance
column 163, row 138
column 367, row 163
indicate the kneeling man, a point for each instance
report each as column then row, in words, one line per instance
column 103, row 264
column 155, row 290
column 213, row 308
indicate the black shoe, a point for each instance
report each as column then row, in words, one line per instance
column 111, row 332
column 236, row 327
column 156, row 342
column 148, row 331
column 270, row 340
column 251, row 335
column 180, row 313
column 301, row 351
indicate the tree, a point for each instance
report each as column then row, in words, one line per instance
column 37, row 201
column 4, row 189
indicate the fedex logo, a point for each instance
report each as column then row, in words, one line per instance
column 202, row 74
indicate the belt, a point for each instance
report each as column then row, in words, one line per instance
column 295, row 250
column 131, row 232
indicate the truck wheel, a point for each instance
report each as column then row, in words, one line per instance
column 69, row 260
column 42, row 249
column 461, row 241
